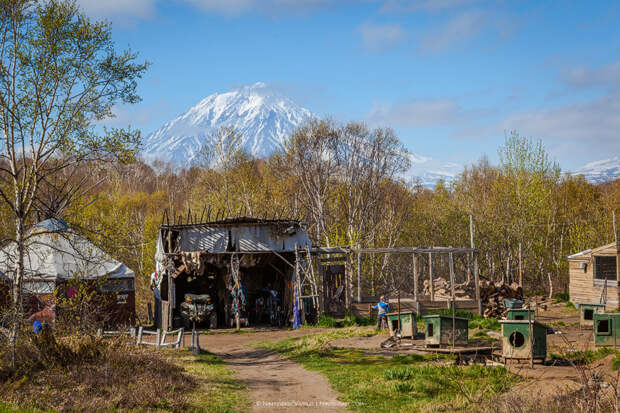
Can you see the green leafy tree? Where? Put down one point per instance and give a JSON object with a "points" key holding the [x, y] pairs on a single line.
{"points": [[60, 75]]}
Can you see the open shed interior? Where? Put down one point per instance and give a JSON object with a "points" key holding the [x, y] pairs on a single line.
{"points": [[265, 284]]}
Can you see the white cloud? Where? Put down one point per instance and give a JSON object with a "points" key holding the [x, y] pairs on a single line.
{"points": [[380, 37], [430, 112], [237, 7], [393, 6], [607, 75], [118, 9], [584, 127], [463, 27]]}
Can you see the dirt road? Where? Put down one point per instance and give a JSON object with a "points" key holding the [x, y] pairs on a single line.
{"points": [[275, 383]]}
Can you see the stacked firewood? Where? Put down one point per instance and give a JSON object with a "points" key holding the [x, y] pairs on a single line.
{"points": [[463, 291], [491, 294]]}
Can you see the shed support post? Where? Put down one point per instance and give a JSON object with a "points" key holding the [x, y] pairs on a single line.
{"points": [[474, 257], [359, 276], [430, 275], [414, 263], [453, 298]]}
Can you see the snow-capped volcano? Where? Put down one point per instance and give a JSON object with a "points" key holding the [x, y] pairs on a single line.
{"points": [[598, 172], [264, 118]]}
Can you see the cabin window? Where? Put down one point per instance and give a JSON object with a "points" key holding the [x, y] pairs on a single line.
{"points": [[588, 314], [517, 339], [519, 317], [429, 330], [110, 286], [605, 268], [602, 327]]}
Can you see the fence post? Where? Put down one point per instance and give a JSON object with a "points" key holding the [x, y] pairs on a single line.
{"points": [[179, 338], [158, 338], [139, 340], [132, 332]]}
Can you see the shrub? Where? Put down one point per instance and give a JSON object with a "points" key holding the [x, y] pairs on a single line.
{"points": [[403, 387], [485, 324], [560, 297], [398, 373], [326, 321], [86, 373]]}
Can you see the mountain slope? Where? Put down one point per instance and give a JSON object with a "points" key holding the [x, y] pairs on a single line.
{"points": [[598, 172], [264, 117]]}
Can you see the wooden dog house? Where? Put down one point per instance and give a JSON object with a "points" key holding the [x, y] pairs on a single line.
{"points": [[606, 329], [408, 327], [522, 341], [520, 314], [587, 311], [439, 330]]}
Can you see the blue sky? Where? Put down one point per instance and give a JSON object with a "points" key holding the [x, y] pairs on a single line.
{"points": [[450, 76]]}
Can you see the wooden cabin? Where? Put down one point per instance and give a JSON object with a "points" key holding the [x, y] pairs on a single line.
{"points": [[594, 275]]}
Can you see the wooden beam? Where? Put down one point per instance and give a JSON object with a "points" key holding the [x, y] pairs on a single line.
{"points": [[414, 263], [430, 275], [359, 277], [474, 255]]}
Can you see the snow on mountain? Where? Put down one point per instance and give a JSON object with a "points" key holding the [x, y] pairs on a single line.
{"points": [[428, 171], [598, 172], [264, 118]]}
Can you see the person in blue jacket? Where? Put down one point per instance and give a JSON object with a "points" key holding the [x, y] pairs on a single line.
{"points": [[383, 309]]}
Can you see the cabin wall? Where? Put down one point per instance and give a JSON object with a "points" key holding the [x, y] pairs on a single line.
{"points": [[584, 289]]}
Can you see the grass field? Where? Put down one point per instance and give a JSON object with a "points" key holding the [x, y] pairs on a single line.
{"points": [[217, 390], [371, 383]]}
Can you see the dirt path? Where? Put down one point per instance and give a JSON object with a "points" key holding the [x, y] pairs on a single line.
{"points": [[275, 382]]}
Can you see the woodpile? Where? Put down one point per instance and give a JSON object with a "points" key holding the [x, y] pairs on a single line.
{"points": [[491, 294]]}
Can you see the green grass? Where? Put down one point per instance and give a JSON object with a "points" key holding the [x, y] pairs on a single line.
{"points": [[326, 321], [482, 335], [585, 357], [7, 408], [402, 383], [218, 391]]}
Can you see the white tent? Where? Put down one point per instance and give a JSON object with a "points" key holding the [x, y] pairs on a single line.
{"points": [[55, 253]]}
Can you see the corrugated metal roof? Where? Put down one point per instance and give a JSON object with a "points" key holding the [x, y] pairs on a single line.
{"points": [[244, 236]]}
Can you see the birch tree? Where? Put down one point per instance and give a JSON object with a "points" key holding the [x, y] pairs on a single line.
{"points": [[60, 75]]}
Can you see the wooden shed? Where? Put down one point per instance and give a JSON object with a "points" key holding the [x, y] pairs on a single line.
{"points": [[594, 275]]}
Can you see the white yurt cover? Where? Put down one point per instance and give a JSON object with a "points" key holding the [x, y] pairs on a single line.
{"points": [[54, 253]]}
